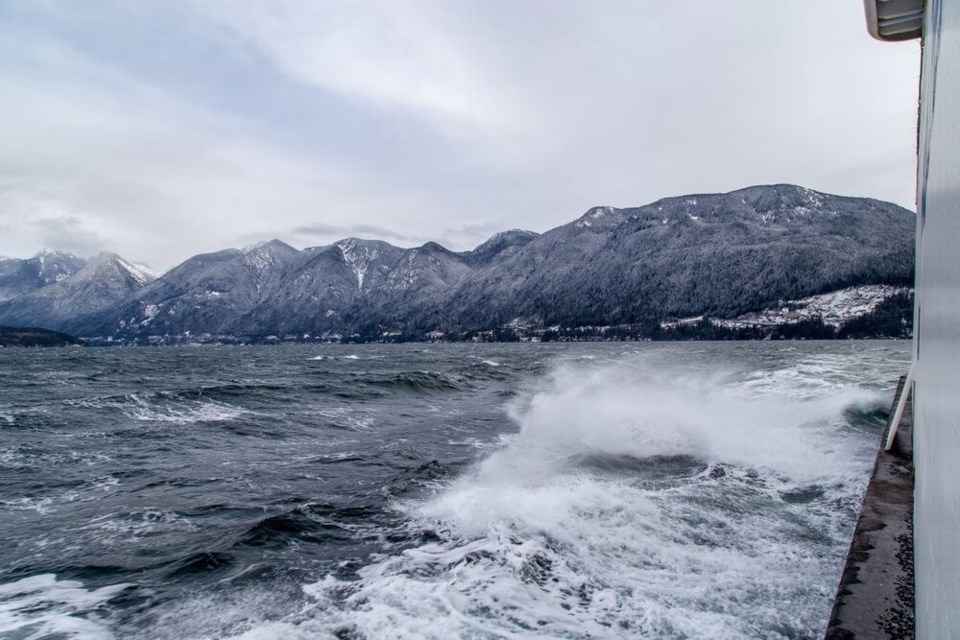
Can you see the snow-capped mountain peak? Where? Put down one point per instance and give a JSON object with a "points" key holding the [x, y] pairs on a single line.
{"points": [[139, 275], [725, 255]]}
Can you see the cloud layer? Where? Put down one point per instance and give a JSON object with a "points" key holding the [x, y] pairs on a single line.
{"points": [[159, 130]]}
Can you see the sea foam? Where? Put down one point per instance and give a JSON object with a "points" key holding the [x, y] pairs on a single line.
{"points": [[531, 543], [43, 607]]}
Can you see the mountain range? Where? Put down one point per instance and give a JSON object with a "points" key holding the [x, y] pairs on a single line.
{"points": [[717, 255]]}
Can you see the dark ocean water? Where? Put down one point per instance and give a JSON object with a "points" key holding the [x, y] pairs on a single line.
{"points": [[691, 490]]}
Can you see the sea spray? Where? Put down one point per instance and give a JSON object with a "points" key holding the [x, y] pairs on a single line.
{"points": [[698, 490], [533, 544], [43, 607]]}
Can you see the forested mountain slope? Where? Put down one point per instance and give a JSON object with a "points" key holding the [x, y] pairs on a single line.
{"points": [[721, 255]]}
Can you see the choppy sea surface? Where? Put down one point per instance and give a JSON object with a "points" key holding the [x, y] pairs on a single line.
{"points": [[687, 490]]}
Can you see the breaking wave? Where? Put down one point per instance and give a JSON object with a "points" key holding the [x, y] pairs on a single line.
{"points": [[44, 607], [184, 411], [630, 503], [668, 491]]}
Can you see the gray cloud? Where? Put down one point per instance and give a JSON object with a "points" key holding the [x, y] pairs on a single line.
{"points": [[319, 229], [480, 230], [171, 128], [67, 233]]}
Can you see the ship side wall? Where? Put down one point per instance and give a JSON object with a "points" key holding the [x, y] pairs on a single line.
{"points": [[937, 392]]}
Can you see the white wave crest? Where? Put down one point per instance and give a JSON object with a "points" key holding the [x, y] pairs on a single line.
{"points": [[184, 412], [44, 607], [535, 543]]}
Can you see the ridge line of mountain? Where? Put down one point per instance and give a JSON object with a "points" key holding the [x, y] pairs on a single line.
{"points": [[721, 255]]}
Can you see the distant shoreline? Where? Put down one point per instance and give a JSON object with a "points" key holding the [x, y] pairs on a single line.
{"points": [[35, 337], [686, 336]]}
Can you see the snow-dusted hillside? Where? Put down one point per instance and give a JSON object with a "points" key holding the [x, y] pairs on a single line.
{"points": [[19, 277], [104, 282], [834, 308], [717, 255]]}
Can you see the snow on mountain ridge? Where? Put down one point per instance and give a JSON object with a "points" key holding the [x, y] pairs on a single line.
{"points": [[147, 269], [51, 265], [594, 215], [503, 235], [140, 276], [358, 255], [667, 259], [260, 260]]}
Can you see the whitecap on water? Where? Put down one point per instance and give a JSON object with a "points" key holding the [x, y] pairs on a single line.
{"points": [[532, 542], [92, 490], [184, 411], [41, 505], [635, 500], [114, 529], [348, 418], [44, 607]]}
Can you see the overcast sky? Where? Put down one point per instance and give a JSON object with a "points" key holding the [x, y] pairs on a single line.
{"points": [[161, 129]]}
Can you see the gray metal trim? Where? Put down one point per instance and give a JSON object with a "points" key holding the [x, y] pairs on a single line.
{"points": [[894, 20]]}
